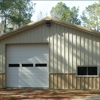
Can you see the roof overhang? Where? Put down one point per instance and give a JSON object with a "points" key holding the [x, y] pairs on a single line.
{"points": [[48, 19]]}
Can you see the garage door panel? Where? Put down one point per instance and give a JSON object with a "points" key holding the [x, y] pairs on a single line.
{"points": [[12, 74], [41, 80], [15, 82], [39, 60], [27, 81], [28, 69], [11, 69], [41, 68], [41, 84], [40, 73], [42, 77], [27, 76], [14, 79], [22, 59], [14, 71], [27, 73], [13, 85]]}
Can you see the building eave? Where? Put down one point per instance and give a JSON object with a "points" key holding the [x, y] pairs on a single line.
{"points": [[34, 24]]}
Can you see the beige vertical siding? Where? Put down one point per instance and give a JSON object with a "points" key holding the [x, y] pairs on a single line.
{"points": [[1, 77], [66, 51], [2, 65], [3, 80], [58, 49], [67, 48], [70, 81], [1, 58]]}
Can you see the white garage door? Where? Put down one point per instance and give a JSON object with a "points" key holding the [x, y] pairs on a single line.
{"points": [[27, 65]]}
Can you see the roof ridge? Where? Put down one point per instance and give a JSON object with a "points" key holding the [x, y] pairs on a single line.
{"points": [[38, 22]]}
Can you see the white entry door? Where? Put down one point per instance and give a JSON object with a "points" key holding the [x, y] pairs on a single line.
{"points": [[27, 65]]}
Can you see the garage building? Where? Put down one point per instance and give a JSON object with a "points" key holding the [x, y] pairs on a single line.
{"points": [[50, 54]]}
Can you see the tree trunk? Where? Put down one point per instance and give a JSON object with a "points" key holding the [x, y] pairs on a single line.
{"points": [[5, 25]]}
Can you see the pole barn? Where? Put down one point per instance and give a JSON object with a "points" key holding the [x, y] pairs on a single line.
{"points": [[50, 54]]}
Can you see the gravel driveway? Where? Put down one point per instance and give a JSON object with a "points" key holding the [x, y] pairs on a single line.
{"points": [[48, 94], [97, 97]]}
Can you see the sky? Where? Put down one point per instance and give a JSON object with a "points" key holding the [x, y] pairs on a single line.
{"points": [[46, 6]]}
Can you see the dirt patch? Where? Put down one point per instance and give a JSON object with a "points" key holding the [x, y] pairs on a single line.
{"points": [[30, 93]]}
